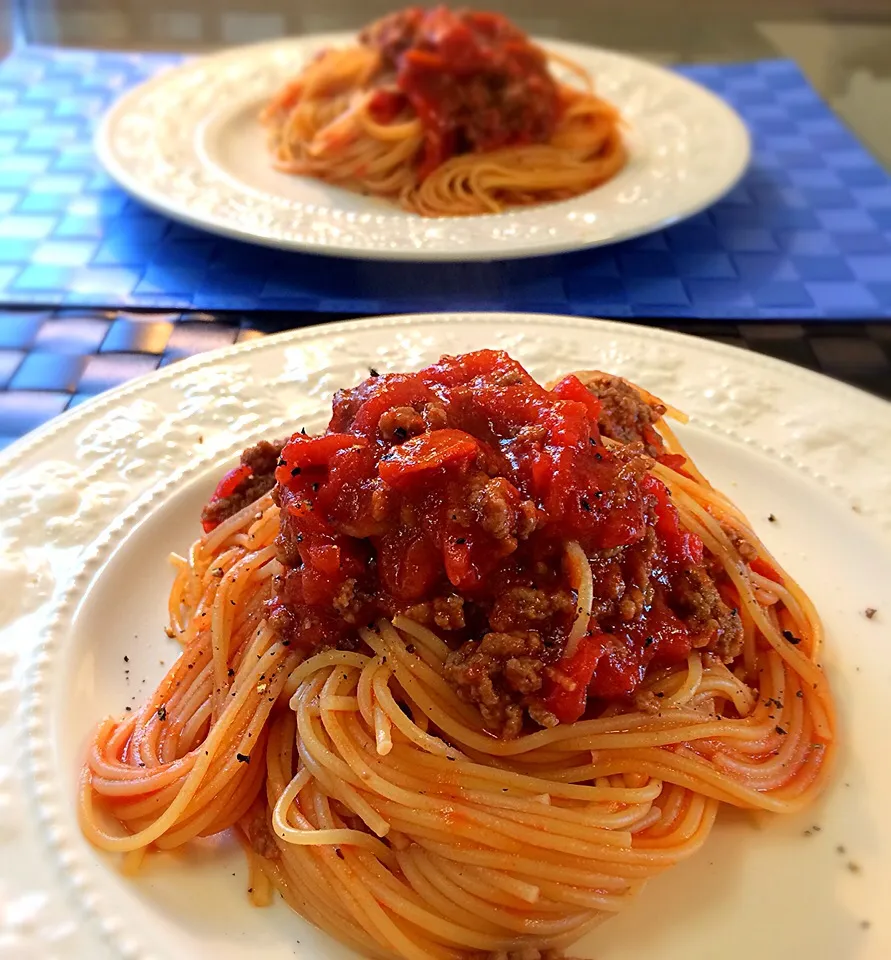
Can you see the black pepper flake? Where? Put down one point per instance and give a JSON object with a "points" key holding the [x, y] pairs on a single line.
{"points": [[315, 488], [300, 538], [460, 540], [598, 494], [799, 694], [780, 730], [771, 518], [280, 462], [126, 659], [598, 456], [816, 828], [372, 372], [840, 849], [128, 709], [790, 636], [660, 694], [870, 612], [250, 889], [162, 712], [400, 433], [586, 505], [339, 853], [303, 431], [451, 758], [231, 672], [648, 642], [242, 758], [296, 472], [853, 867], [286, 643]]}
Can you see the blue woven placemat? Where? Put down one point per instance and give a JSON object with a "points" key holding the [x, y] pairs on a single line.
{"points": [[807, 234]]}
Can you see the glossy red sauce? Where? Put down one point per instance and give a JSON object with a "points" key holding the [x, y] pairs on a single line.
{"points": [[393, 514], [474, 79]]}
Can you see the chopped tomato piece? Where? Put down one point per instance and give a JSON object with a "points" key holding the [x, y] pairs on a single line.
{"points": [[681, 545], [566, 704], [226, 487], [430, 451], [386, 105], [674, 461], [571, 388], [303, 453]]}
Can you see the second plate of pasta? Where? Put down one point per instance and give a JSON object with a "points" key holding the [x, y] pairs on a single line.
{"points": [[355, 144]]}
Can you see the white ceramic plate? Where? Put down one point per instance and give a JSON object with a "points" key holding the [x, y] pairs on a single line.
{"points": [[188, 144], [91, 505]]}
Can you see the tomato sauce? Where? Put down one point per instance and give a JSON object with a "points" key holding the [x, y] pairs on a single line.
{"points": [[467, 479], [475, 80]]}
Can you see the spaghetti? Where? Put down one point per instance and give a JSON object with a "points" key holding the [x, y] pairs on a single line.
{"points": [[427, 755], [450, 114]]}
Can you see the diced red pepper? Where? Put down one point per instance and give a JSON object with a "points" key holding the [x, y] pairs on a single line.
{"points": [[765, 569], [226, 487], [429, 451], [569, 705]]}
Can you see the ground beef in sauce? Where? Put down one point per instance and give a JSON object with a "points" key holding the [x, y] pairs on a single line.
{"points": [[624, 415], [400, 423], [447, 613], [258, 831], [712, 624], [525, 608], [393, 34], [262, 459], [521, 613], [497, 673], [475, 79]]}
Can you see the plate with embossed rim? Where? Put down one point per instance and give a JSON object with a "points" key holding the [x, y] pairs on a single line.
{"points": [[91, 504], [188, 143]]}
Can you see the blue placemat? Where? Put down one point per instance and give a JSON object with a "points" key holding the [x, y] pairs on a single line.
{"points": [[807, 234]]}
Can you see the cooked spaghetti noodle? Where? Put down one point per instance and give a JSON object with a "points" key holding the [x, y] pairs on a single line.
{"points": [[450, 114], [378, 789]]}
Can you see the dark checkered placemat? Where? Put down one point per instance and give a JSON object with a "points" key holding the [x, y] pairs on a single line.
{"points": [[807, 234], [53, 360]]}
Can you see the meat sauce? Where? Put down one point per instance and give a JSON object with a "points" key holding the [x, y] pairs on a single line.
{"points": [[449, 495], [474, 79]]}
